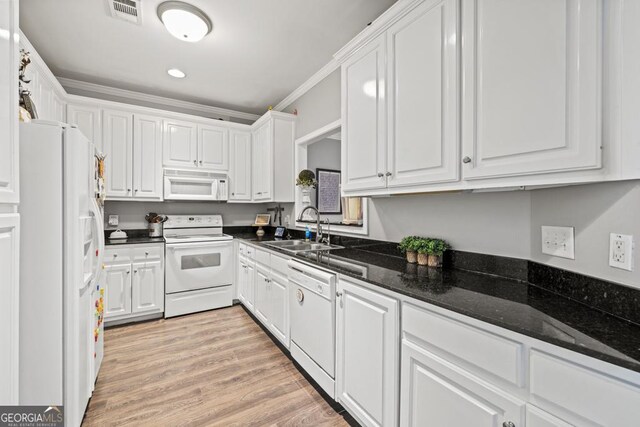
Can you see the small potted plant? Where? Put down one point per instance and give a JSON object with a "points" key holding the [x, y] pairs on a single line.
{"points": [[409, 245], [423, 248], [306, 180], [435, 249]]}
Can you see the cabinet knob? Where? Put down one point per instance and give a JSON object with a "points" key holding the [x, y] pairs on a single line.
{"points": [[115, 255], [146, 253], [466, 159], [233, 194], [128, 190], [200, 161], [195, 162], [136, 190], [508, 424], [388, 173], [135, 271], [338, 294], [128, 271], [380, 174]]}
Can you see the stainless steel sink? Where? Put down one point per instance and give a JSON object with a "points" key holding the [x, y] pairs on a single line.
{"points": [[295, 246]]}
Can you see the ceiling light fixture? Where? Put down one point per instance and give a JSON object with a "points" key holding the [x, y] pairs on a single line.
{"points": [[184, 21], [174, 72]]}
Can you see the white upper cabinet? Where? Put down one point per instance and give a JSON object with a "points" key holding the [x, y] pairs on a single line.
{"points": [[147, 157], [422, 92], [240, 165], [9, 102], [263, 162], [89, 121], [213, 148], [180, 144], [117, 137], [532, 79], [363, 119]]}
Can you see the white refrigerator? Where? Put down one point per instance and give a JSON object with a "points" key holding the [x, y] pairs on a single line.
{"points": [[61, 254]]}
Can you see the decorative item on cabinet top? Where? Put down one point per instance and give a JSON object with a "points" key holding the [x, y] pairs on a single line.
{"points": [[27, 110]]}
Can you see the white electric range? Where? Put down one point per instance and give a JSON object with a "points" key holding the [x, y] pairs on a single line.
{"points": [[199, 264]]}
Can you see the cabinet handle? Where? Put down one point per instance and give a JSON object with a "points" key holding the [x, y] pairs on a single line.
{"points": [[508, 424], [146, 253], [380, 174], [467, 159], [338, 294], [135, 271], [195, 162], [233, 194], [128, 190], [200, 161], [128, 271], [136, 190], [388, 173], [115, 255]]}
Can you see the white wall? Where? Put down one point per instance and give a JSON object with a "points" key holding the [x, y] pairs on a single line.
{"points": [[132, 213], [595, 210]]}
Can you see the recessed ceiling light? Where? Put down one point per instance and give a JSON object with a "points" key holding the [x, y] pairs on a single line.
{"points": [[174, 72], [184, 21]]}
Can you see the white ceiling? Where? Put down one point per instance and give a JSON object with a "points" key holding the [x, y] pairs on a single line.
{"points": [[258, 53]]}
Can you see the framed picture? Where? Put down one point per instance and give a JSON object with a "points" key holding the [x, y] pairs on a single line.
{"points": [[328, 191], [263, 219]]}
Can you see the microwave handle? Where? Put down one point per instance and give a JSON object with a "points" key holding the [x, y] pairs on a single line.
{"points": [[189, 179]]}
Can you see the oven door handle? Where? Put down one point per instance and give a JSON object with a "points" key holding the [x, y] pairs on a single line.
{"points": [[174, 246]]}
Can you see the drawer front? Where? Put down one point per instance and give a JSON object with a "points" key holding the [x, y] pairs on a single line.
{"points": [[582, 393], [242, 249], [117, 255], [279, 264], [263, 257], [251, 252], [148, 253], [485, 352]]}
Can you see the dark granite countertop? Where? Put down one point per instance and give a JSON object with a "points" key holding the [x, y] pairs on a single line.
{"points": [[510, 302], [134, 237]]}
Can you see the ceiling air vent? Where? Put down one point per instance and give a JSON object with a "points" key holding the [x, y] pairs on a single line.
{"points": [[127, 10]]}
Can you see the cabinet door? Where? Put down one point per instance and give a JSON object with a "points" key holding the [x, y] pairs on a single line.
{"points": [[147, 157], [363, 118], [117, 298], [261, 301], [240, 165], [538, 418], [9, 102], [180, 142], [367, 347], [147, 288], [532, 73], [213, 148], [437, 393], [9, 302], [88, 120], [241, 281], [117, 141], [262, 163], [423, 92], [279, 307], [250, 273]]}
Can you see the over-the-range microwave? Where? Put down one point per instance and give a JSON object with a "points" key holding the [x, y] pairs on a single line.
{"points": [[180, 184]]}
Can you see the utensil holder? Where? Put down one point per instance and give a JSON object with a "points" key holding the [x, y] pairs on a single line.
{"points": [[155, 229]]}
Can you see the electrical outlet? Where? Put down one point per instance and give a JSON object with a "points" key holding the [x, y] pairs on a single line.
{"points": [[558, 241], [621, 251], [113, 220]]}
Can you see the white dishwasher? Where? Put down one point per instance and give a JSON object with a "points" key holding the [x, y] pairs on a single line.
{"points": [[313, 316]]}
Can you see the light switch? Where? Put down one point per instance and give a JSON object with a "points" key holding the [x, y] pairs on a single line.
{"points": [[558, 241]]}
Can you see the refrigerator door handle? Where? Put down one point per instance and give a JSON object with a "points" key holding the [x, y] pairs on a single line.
{"points": [[100, 239]]}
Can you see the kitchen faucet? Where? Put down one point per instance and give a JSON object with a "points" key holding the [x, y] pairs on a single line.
{"points": [[319, 227]]}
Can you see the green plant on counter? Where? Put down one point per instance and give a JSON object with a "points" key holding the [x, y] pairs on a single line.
{"points": [[306, 178], [410, 244], [436, 247]]}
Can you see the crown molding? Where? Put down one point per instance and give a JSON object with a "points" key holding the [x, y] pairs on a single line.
{"points": [[153, 99], [38, 62], [320, 75]]}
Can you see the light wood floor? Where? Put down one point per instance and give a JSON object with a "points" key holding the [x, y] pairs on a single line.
{"points": [[206, 369]]}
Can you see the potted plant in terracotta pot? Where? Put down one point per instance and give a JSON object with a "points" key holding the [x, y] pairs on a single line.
{"points": [[435, 249], [409, 245]]}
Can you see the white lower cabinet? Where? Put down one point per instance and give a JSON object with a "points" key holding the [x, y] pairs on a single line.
{"points": [[263, 288], [134, 281], [367, 349], [436, 392]]}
